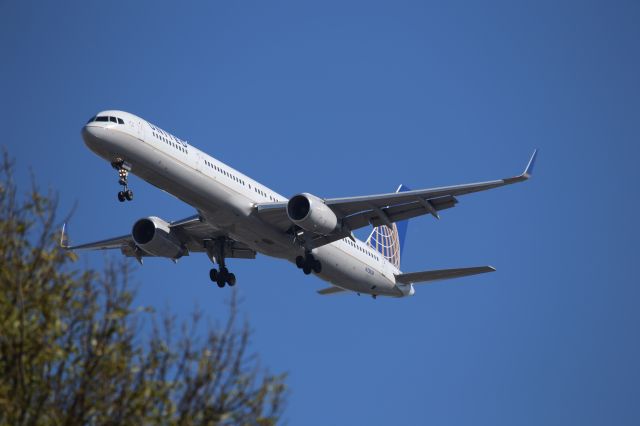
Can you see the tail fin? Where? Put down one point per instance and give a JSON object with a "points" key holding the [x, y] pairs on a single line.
{"points": [[389, 241]]}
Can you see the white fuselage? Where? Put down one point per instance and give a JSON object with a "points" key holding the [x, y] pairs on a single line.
{"points": [[225, 198]]}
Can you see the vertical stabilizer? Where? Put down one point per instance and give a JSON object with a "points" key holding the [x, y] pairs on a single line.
{"points": [[389, 241]]}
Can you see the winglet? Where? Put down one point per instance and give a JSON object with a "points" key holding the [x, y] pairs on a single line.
{"points": [[528, 171], [64, 238]]}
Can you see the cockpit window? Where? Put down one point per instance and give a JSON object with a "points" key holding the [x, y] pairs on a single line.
{"points": [[106, 118]]}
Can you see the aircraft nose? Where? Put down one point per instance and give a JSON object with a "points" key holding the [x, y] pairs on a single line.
{"points": [[89, 134], [93, 135]]}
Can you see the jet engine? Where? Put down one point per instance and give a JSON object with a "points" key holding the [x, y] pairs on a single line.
{"points": [[312, 214], [154, 236]]}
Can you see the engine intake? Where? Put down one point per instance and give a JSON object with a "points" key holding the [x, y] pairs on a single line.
{"points": [[154, 236], [312, 214]]}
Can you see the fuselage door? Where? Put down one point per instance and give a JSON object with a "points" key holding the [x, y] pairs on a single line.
{"points": [[140, 129], [199, 160]]}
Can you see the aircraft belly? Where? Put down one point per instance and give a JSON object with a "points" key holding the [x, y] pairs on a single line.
{"points": [[229, 211]]}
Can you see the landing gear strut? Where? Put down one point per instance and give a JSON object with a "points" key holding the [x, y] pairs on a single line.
{"points": [[223, 276], [308, 263], [123, 174]]}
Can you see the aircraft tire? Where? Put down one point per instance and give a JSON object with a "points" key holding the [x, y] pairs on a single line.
{"points": [[306, 269], [231, 279], [300, 262], [121, 196], [213, 274]]}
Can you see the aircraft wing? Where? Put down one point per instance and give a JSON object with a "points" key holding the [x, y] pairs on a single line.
{"points": [[110, 243], [191, 231], [384, 209]]}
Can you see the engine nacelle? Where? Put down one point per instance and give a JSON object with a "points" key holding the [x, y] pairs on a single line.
{"points": [[154, 236], [312, 214]]}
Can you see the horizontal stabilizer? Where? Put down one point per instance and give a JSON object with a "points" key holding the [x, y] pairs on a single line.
{"points": [[441, 274], [330, 290]]}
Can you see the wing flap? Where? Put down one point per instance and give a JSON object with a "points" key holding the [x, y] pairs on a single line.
{"points": [[400, 212], [441, 274]]}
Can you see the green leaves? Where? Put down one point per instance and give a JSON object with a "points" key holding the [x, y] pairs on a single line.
{"points": [[74, 350]]}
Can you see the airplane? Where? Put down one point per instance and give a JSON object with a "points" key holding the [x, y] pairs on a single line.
{"points": [[237, 217]]}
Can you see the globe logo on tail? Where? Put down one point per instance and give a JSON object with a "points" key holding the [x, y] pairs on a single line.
{"points": [[386, 241]]}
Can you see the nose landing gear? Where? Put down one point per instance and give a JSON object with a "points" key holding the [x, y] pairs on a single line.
{"points": [[123, 174], [125, 195], [308, 263]]}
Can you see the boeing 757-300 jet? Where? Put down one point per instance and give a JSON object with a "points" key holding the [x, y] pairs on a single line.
{"points": [[237, 217]]}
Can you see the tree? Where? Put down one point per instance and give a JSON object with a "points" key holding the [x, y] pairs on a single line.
{"points": [[73, 349]]}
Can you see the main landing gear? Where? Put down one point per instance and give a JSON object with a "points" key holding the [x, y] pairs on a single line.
{"points": [[222, 277], [216, 253], [123, 174], [308, 263]]}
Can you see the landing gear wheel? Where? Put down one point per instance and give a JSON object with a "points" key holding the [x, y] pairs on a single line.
{"points": [[308, 263], [128, 194], [231, 279], [213, 274], [121, 196], [220, 281]]}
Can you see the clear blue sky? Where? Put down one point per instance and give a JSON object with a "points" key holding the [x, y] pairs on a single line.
{"points": [[351, 98]]}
